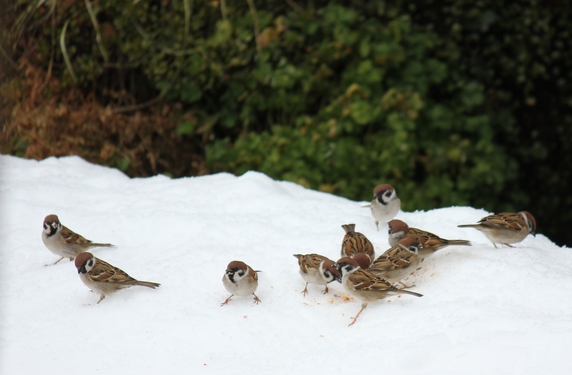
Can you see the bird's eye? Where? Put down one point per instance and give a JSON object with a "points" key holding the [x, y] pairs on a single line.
{"points": [[90, 263], [388, 194]]}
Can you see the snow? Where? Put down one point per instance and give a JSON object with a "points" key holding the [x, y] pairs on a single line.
{"points": [[484, 310]]}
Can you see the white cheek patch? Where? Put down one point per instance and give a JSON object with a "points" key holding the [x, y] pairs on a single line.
{"points": [[89, 265]]}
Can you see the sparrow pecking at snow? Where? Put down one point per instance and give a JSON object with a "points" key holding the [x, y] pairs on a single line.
{"points": [[431, 242], [365, 285], [316, 269], [103, 278], [355, 242], [506, 228], [399, 261], [240, 280], [385, 204], [63, 242]]}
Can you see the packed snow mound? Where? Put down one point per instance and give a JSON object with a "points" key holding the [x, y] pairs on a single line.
{"points": [[484, 310]]}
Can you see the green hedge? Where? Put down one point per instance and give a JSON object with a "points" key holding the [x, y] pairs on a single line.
{"points": [[454, 103]]}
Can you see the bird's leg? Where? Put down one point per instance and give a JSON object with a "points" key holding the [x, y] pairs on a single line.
{"points": [[305, 291], [256, 299], [325, 290], [508, 245], [377, 225], [56, 262], [226, 301], [101, 298], [363, 306]]}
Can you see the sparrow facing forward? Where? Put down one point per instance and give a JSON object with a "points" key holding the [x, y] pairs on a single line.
{"points": [[385, 204], [240, 280], [506, 228], [63, 242], [431, 242], [399, 261], [365, 285], [355, 242], [103, 278], [316, 269]]}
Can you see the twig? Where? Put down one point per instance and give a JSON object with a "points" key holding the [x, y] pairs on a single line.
{"points": [[10, 61], [52, 53], [255, 22], [97, 31], [65, 52], [223, 10], [295, 6], [188, 12]]}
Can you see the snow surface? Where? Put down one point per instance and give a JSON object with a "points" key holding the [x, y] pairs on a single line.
{"points": [[484, 310]]}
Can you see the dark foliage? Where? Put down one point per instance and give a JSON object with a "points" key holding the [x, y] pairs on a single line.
{"points": [[454, 103]]}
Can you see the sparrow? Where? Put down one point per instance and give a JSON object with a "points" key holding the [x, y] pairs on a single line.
{"points": [[362, 259], [385, 204], [355, 242], [316, 269], [62, 241], [103, 278], [364, 285], [399, 261], [506, 228], [240, 280], [431, 242]]}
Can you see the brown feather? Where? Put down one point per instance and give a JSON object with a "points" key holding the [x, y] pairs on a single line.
{"points": [[355, 242]]}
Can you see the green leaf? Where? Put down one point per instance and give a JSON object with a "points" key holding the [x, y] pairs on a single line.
{"points": [[186, 128]]}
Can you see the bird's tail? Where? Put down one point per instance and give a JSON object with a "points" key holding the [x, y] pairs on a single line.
{"points": [[460, 242], [349, 228], [93, 244], [467, 225], [403, 291], [148, 284]]}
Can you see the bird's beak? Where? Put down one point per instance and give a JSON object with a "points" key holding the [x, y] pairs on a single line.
{"points": [[339, 277]]}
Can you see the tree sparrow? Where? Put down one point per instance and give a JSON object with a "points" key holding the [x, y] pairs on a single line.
{"points": [[240, 280], [506, 228], [362, 259], [365, 285], [316, 269], [399, 261], [355, 242], [103, 278], [431, 242], [385, 204], [61, 241]]}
